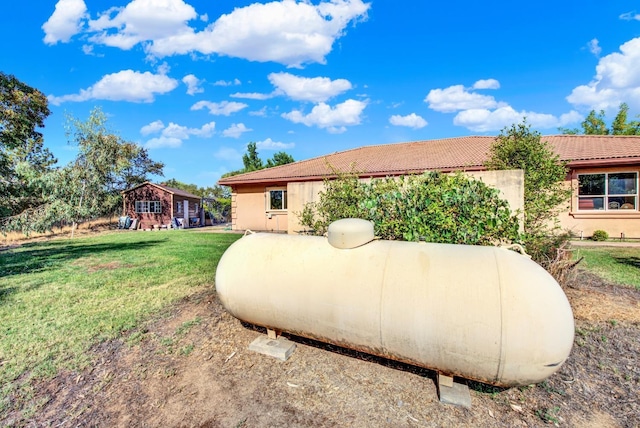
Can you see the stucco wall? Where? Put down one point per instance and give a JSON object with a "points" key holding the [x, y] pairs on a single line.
{"points": [[584, 223], [248, 210]]}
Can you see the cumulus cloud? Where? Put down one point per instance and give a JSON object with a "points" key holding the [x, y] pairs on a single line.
{"points": [[172, 135], [594, 47], [334, 119], [65, 22], [316, 89], [193, 84], [292, 33], [484, 120], [412, 121], [269, 144], [486, 84], [235, 130], [126, 85], [617, 80], [142, 21], [224, 108], [458, 97]]}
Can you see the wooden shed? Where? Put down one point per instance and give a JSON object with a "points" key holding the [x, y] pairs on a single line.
{"points": [[156, 206]]}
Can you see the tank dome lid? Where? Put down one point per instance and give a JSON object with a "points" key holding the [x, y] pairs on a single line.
{"points": [[350, 233]]}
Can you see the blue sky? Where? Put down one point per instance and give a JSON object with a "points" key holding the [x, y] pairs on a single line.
{"points": [[195, 80]]}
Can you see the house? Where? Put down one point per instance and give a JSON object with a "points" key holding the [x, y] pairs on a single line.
{"points": [[603, 176], [156, 206]]}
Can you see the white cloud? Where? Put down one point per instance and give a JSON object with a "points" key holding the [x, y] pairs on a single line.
{"points": [[617, 80], [630, 16], [269, 144], [486, 84], [234, 82], [334, 119], [152, 128], [594, 47], [262, 112], [173, 135], [316, 89], [65, 22], [457, 97], [142, 21], [235, 130], [288, 32], [484, 120], [193, 84], [251, 95], [412, 121], [126, 85], [224, 108]]}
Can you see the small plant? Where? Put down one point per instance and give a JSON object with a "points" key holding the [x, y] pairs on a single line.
{"points": [[549, 414], [600, 235]]}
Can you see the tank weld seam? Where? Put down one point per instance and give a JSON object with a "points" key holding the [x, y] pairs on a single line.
{"points": [[501, 356], [380, 295]]}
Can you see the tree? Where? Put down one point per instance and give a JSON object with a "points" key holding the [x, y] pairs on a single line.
{"points": [[594, 124], [252, 161], [518, 147], [216, 199], [90, 186], [23, 110], [280, 158]]}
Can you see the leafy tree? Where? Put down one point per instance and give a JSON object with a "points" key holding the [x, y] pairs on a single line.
{"points": [[90, 186], [279, 158], [446, 208], [252, 161], [518, 147], [594, 124], [23, 110]]}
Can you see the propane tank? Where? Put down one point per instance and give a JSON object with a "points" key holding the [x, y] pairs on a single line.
{"points": [[483, 313]]}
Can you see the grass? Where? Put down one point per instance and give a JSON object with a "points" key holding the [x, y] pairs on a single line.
{"points": [[620, 265], [61, 297]]}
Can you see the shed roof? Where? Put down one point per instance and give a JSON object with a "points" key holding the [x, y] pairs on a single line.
{"points": [[172, 190], [462, 153]]}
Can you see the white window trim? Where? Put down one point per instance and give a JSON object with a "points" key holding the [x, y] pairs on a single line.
{"points": [[606, 195], [267, 197], [148, 207]]}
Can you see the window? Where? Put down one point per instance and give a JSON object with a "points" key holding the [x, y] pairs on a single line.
{"points": [[276, 199], [605, 192], [148, 207], [179, 206]]}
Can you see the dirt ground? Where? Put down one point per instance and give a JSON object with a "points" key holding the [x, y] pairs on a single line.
{"points": [[190, 367]]}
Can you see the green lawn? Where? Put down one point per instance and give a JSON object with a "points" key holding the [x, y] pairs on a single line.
{"points": [[620, 265], [59, 298]]}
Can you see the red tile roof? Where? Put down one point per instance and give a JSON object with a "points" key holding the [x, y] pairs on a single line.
{"points": [[463, 153]]}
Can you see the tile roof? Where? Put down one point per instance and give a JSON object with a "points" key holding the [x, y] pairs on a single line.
{"points": [[463, 153]]}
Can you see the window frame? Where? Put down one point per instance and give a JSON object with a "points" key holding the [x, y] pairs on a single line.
{"points": [[268, 199], [148, 207], [606, 196]]}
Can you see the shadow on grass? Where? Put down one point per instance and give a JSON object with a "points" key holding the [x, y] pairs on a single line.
{"points": [[632, 261], [51, 255]]}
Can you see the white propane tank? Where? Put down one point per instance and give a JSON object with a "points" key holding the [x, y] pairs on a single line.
{"points": [[483, 313]]}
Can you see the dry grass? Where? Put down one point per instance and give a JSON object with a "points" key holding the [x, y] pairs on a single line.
{"points": [[89, 227]]}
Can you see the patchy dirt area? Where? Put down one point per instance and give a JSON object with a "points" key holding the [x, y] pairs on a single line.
{"points": [[190, 367]]}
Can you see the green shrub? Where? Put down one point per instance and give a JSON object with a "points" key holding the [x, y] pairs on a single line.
{"points": [[600, 235], [436, 207]]}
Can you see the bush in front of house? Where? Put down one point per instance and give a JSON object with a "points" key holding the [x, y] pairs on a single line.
{"points": [[435, 207], [600, 235]]}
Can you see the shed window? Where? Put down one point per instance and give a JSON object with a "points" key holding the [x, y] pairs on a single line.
{"points": [[608, 192], [179, 206], [148, 207], [276, 199]]}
